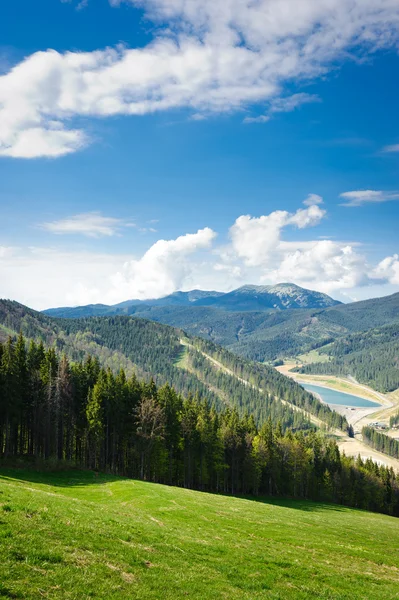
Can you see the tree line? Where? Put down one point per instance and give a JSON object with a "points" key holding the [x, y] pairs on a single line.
{"points": [[381, 442], [152, 350], [81, 414], [267, 379], [372, 357]]}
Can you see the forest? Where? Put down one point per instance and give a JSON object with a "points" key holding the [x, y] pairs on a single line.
{"points": [[381, 442], [77, 413], [263, 377], [152, 350], [372, 357]]}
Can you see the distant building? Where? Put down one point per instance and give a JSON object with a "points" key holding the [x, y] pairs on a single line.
{"points": [[378, 425]]}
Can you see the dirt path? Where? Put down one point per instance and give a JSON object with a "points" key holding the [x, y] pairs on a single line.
{"points": [[354, 447]]}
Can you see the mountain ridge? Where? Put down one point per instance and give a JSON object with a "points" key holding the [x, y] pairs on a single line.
{"points": [[153, 351], [281, 296]]}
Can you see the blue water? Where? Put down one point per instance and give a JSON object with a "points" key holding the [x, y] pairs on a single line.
{"points": [[334, 397]]}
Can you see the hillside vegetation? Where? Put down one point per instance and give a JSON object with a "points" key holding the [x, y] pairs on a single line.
{"points": [[52, 410], [268, 335], [152, 350], [115, 538], [371, 357]]}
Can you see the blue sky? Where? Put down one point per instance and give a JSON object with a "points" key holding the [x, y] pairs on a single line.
{"points": [[137, 137]]}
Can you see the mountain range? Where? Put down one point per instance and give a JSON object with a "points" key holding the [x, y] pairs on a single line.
{"points": [[333, 332], [246, 298], [193, 366]]}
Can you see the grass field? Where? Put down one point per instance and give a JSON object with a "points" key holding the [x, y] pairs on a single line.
{"points": [[76, 535], [312, 356]]}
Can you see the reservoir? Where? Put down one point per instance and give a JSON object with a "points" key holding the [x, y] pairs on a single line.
{"points": [[330, 396]]}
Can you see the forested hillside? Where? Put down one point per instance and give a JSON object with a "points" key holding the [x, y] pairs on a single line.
{"points": [[371, 357], [265, 335], [379, 441], [258, 378], [83, 415], [152, 351]]}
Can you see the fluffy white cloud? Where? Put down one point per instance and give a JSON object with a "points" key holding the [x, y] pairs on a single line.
{"points": [[388, 269], [257, 253], [45, 277], [325, 264], [360, 197], [41, 141], [163, 268], [254, 239], [91, 224], [209, 55]]}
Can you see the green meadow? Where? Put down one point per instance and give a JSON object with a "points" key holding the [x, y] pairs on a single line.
{"points": [[78, 535]]}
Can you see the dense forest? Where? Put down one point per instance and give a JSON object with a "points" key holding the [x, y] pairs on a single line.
{"points": [[263, 336], [262, 377], [371, 357], [380, 441], [82, 414], [152, 350]]}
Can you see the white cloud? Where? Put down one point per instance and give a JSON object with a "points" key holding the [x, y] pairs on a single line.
{"points": [[254, 239], [313, 199], [258, 246], [46, 277], [6, 251], [289, 103], [162, 269], [360, 197], [325, 264], [307, 217], [321, 264], [284, 104], [209, 56], [391, 148], [259, 119], [39, 141], [388, 269], [257, 253], [91, 224]]}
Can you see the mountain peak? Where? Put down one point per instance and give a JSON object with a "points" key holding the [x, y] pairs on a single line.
{"points": [[262, 297], [248, 297]]}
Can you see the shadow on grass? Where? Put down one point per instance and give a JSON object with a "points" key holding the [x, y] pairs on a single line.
{"points": [[83, 478], [70, 477]]}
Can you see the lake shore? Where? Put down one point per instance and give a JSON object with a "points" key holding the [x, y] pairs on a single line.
{"points": [[358, 417]]}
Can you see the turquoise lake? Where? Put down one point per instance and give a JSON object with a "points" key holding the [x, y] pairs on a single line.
{"points": [[334, 397]]}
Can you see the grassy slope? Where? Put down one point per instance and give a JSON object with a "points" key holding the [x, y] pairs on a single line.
{"points": [[75, 535]]}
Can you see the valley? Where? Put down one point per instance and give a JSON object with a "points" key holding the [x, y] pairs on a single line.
{"points": [[357, 417], [359, 339], [199, 300]]}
